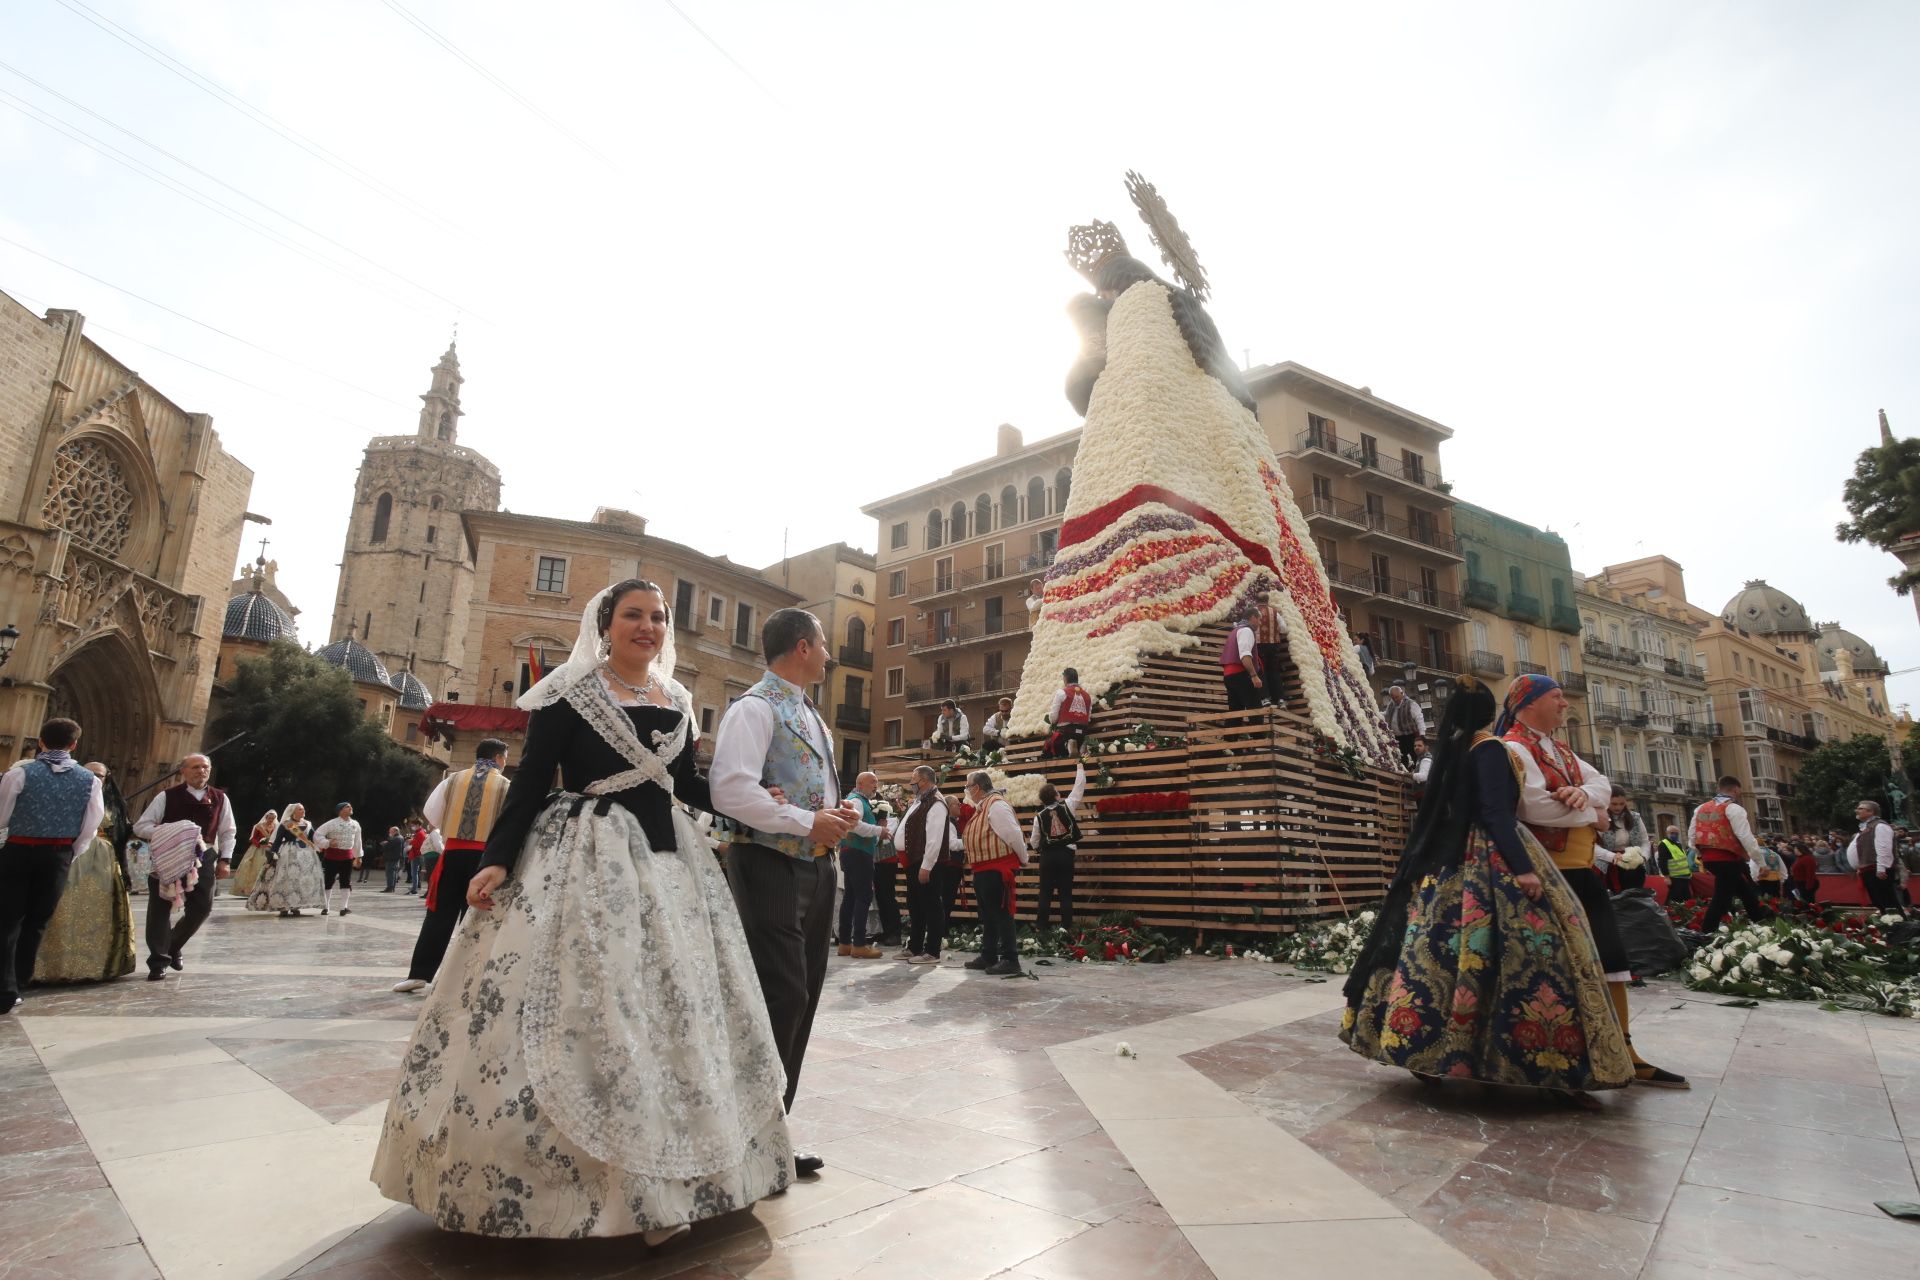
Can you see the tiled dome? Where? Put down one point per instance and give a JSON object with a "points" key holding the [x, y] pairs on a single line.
{"points": [[251, 616], [1766, 611], [360, 662], [413, 694], [1833, 636]]}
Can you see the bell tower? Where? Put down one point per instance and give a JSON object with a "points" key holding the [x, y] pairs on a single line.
{"points": [[406, 579]]}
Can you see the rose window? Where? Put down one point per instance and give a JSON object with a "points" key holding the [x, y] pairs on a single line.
{"points": [[89, 497]]}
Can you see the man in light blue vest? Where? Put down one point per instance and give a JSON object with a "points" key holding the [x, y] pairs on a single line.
{"points": [[51, 808], [782, 877]]}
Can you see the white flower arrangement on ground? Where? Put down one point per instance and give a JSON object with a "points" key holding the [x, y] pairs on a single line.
{"points": [[1792, 961]]}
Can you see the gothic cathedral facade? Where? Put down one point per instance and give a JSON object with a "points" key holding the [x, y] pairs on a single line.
{"points": [[406, 575]]}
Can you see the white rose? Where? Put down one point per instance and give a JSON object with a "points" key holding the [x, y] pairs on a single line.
{"points": [[1700, 973], [1752, 963]]}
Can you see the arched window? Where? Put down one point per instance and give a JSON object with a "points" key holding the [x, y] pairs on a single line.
{"points": [[1036, 498], [857, 634], [957, 522], [1062, 485], [434, 505], [1009, 506], [983, 514], [382, 517], [934, 524], [446, 425]]}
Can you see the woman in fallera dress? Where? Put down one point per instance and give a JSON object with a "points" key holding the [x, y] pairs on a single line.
{"points": [[247, 874], [291, 880], [595, 1059], [90, 938], [1480, 965]]}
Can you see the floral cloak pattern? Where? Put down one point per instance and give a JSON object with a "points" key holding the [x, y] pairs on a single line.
{"points": [[1494, 987]]}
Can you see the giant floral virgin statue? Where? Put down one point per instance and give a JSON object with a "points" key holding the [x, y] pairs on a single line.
{"points": [[1178, 516]]}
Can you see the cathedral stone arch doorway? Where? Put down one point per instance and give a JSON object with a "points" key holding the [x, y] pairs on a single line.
{"points": [[106, 686]]}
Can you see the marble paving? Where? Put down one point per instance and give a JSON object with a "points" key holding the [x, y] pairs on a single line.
{"points": [[221, 1124]]}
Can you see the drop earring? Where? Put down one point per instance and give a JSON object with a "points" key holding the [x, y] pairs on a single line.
{"points": [[604, 648]]}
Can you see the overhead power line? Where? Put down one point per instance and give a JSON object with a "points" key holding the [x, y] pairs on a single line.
{"points": [[231, 337], [165, 181], [193, 168], [721, 50], [499, 84], [263, 119]]}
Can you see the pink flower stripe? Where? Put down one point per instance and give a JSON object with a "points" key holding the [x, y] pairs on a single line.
{"points": [[1136, 557], [1158, 610], [1159, 522], [1143, 586]]}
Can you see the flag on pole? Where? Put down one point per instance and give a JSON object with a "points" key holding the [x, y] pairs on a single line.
{"points": [[533, 666]]}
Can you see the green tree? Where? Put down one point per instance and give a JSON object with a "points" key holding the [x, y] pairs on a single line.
{"points": [[308, 739], [1883, 501], [1838, 776]]}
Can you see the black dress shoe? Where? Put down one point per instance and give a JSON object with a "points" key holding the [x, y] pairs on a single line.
{"points": [[978, 962], [1004, 969], [154, 975], [173, 962], [805, 1166]]}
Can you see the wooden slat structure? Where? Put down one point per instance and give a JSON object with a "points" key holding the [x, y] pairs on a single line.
{"points": [[1279, 835]]}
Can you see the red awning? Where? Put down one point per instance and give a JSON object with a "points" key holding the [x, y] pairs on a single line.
{"points": [[469, 719]]}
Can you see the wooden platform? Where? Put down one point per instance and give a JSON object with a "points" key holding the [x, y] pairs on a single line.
{"points": [[1277, 836]]}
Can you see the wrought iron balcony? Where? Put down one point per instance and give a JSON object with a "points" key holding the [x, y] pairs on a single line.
{"points": [[970, 633], [858, 719], [1483, 662], [1684, 670], [1418, 595], [1333, 509], [1574, 682], [1565, 619], [1438, 659], [1481, 594], [861, 659], [1619, 655], [1420, 537], [1524, 608], [1327, 447]]}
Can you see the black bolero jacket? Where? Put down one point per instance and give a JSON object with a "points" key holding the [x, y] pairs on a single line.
{"points": [[559, 740]]}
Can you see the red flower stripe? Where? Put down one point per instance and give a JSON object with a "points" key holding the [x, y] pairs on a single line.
{"points": [[1080, 528], [1187, 606], [1138, 556]]}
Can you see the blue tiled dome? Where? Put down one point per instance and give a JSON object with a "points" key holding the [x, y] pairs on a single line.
{"points": [[360, 662], [251, 616], [413, 694]]}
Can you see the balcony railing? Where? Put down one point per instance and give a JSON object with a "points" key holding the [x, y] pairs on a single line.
{"points": [[1524, 608], [1434, 658], [858, 719], [1618, 654], [862, 659], [947, 637], [1528, 669], [1382, 525], [1481, 594], [962, 687], [987, 575], [1684, 670], [1483, 662], [1604, 714], [1573, 682], [1421, 475], [1565, 619], [1320, 508], [1418, 594]]}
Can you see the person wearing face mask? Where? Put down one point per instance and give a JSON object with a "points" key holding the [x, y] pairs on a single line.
{"points": [[594, 1056]]}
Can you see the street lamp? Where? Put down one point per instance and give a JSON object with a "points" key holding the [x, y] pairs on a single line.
{"points": [[9, 637]]}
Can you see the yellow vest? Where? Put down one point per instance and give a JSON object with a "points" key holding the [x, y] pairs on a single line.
{"points": [[983, 845], [471, 813]]}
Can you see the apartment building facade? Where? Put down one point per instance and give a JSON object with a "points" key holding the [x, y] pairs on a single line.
{"points": [[1367, 475], [1521, 619], [952, 572], [1651, 719]]}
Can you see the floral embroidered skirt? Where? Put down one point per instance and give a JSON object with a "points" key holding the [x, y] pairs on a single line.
{"points": [[1494, 987], [595, 1058], [291, 882], [246, 876], [90, 938]]}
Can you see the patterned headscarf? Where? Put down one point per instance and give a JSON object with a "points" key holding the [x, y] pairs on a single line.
{"points": [[1521, 694]]}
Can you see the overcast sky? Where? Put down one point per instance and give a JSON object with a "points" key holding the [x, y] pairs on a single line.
{"points": [[743, 267]]}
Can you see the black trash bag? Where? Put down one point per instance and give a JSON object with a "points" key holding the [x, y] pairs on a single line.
{"points": [[1653, 944]]}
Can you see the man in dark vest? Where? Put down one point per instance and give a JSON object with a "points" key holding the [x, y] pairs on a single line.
{"points": [[51, 809], [197, 801], [464, 807], [935, 861], [1871, 854]]}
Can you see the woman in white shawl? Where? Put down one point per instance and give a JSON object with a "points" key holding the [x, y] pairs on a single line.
{"points": [[291, 880], [595, 1059]]}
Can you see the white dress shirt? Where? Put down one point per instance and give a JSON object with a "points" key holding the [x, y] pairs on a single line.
{"points": [[996, 726], [1742, 830], [1001, 822], [1540, 809], [862, 829], [339, 833], [157, 809], [1882, 849], [1422, 767], [14, 779], [1244, 643], [932, 853], [435, 809], [740, 747], [1074, 797]]}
